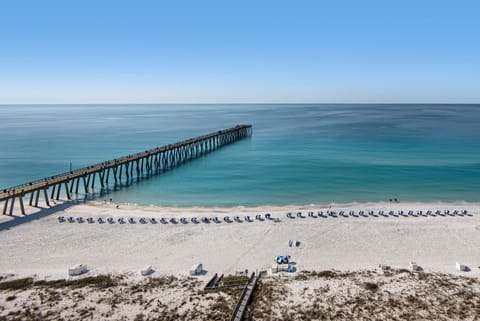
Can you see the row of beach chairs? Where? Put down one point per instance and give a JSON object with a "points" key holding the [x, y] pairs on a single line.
{"points": [[164, 220], [263, 217], [383, 213]]}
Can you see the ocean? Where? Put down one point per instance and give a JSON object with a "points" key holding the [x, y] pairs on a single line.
{"points": [[298, 154]]}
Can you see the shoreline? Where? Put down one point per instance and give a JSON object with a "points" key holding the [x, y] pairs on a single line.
{"points": [[347, 205]]}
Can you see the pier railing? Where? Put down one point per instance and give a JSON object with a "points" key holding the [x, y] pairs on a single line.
{"points": [[149, 162]]}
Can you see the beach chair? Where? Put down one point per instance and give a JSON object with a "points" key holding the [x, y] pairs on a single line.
{"points": [[351, 213], [71, 219], [205, 219], [215, 219], [121, 220], [142, 220], [183, 220], [61, 219], [226, 218], [237, 218], [90, 220], [259, 217], [80, 219], [391, 213], [310, 214], [163, 220], [100, 220], [173, 220], [289, 215], [299, 214], [247, 218], [153, 220], [320, 214], [465, 212], [268, 216], [290, 243], [110, 220], [131, 220], [438, 212], [429, 213]]}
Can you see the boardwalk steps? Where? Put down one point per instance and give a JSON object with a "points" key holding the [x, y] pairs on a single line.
{"points": [[244, 299]]}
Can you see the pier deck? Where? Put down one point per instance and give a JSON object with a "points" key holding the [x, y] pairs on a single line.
{"points": [[148, 162]]}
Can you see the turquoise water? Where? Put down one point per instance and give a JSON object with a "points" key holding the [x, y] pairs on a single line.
{"points": [[298, 154]]}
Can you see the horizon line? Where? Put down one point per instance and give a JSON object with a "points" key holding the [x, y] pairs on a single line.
{"points": [[249, 103]]}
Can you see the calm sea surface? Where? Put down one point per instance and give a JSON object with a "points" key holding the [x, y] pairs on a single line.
{"points": [[298, 154]]}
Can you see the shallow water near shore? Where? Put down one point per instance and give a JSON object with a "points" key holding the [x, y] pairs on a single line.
{"points": [[298, 154]]}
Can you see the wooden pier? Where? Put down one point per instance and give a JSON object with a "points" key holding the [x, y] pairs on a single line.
{"points": [[149, 162]]}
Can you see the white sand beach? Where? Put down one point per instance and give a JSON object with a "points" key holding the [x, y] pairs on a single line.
{"points": [[46, 248], [345, 252]]}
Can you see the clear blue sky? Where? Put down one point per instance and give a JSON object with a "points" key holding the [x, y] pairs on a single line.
{"points": [[239, 51]]}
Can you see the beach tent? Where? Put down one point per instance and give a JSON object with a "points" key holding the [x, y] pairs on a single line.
{"points": [[413, 266], [147, 270], [196, 269], [461, 267], [77, 270]]}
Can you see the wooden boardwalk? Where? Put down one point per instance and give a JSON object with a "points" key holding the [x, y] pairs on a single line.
{"points": [[149, 162], [245, 297]]}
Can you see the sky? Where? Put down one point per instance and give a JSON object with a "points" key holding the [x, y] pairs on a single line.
{"points": [[246, 51]]}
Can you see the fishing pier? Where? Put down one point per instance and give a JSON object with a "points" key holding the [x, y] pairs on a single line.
{"points": [[147, 163]]}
